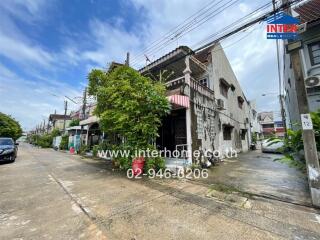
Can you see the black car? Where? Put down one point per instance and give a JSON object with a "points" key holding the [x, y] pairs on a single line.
{"points": [[8, 150]]}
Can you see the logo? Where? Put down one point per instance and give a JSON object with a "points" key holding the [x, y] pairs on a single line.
{"points": [[282, 26]]}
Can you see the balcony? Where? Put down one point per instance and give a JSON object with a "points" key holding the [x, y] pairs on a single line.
{"points": [[174, 86]]}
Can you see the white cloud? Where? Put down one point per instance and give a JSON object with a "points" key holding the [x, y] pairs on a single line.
{"points": [[106, 42], [30, 101], [112, 43], [19, 51], [252, 59]]}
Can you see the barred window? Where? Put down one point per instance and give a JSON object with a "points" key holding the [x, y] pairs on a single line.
{"points": [[314, 52]]}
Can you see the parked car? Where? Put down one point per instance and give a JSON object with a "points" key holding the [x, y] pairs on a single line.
{"points": [[272, 146], [8, 149]]}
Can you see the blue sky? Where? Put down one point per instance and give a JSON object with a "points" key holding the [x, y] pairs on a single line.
{"points": [[47, 47]]}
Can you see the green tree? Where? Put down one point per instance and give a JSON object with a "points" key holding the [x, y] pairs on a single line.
{"points": [[74, 122], [128, 105], [9, 127]]}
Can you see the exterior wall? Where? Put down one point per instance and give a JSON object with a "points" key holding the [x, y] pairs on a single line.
{"points": [[59, 124], [203, 122], [232, 114], [311, 35], [254, 121]]}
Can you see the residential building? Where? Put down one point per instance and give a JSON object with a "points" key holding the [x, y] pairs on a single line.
{"points": [[309, 15], [270, 126], [209, 109], [256, 129], [57, 121], [267, 123]]}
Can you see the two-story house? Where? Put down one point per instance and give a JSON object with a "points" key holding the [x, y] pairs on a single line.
{"points": [[209, 109]]}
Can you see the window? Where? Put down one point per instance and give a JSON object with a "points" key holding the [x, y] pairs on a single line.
{"points": [[204, 82], [240, 102], [254, 114], [227, 131], [314, 52], [224, 87], [289, 82], [243, 134], [271, 125]]}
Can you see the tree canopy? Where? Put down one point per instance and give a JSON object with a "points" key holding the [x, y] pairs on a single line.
{"points": [[128, 104], [9, 127]]}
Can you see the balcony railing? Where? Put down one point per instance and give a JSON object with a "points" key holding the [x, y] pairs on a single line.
{"points": [[194, 84], [204, 90]]}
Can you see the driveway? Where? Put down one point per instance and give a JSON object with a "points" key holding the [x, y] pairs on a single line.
{"points": [[259, 173], [52, 195]]}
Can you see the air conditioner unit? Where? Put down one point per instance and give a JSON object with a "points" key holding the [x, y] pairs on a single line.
{"points": [[220, 103], [313, 81]]}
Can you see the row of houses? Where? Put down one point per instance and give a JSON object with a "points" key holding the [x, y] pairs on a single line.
{"points": [[209, 110]]}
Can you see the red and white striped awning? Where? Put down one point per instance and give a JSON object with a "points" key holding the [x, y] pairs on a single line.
{"points": [[179, 100]]}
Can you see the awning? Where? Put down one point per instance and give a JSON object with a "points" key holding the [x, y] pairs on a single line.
{"points": [[179, 100], [92, 119]]}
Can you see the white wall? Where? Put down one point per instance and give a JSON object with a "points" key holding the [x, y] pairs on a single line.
{"points": [[232, 114]]}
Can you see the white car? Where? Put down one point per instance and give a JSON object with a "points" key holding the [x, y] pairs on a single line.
{"points": [[272, 146]]}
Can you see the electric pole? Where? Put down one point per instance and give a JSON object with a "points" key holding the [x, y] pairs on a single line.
{"points": [[65, 114], [309, 142], [283, 117], [127, 62], [308, 137], [84, 103]]}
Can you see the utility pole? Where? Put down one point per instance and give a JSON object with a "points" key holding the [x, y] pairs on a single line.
{"points": [[308, 137], [84, 103], [127, 62], [283, 117], [309, 142], [65, 114]]}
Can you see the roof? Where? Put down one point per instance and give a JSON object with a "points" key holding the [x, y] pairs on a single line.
{"points": [[309, 11], [53, 117], [203, 55], [264, 115], [181, 49], [282, 18]]}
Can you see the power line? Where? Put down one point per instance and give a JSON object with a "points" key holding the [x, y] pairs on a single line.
{"points": [[174, 30], [242, 27], [234, 24], [191, 26]]}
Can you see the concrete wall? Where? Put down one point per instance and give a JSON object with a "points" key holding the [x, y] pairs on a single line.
{"points": [[232, 114], [59, 124]]}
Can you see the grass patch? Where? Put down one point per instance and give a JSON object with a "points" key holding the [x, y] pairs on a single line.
{"points": [[291, 162]]}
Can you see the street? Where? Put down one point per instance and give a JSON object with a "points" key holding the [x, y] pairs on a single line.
{"points": [[47, 194]]}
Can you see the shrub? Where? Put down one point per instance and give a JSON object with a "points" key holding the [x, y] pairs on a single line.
{"points": [[45, 141], [83, 149], [95, 150], [64, 142]]}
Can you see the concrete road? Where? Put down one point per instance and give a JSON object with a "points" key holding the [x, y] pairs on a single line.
{"points": [[53, 195], [259, 173]]}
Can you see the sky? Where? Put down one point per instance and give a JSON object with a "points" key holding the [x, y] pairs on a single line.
{"points": [[48, 47]]}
